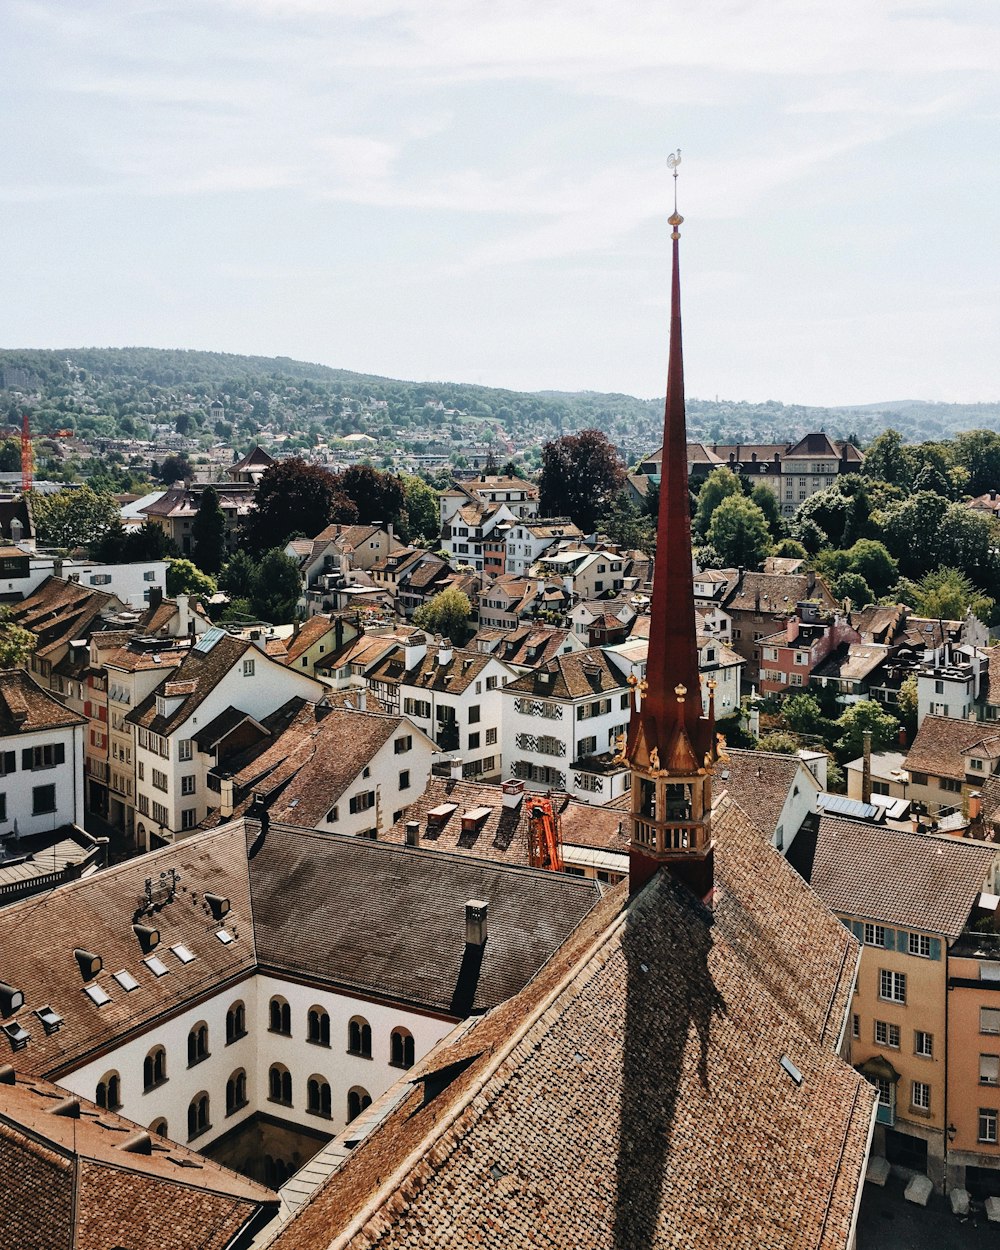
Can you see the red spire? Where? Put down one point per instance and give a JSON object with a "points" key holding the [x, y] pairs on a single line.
{"points": [[671, 720]]}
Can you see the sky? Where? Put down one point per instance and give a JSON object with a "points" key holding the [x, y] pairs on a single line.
{"points": [[456, 190]]}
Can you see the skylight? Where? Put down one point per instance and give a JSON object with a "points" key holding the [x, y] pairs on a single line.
{"points": [[156, 966], [183, 954], [208, 640], [791, 1069], [126, 980], [17, 1035], [225, 937], [97, 995]]}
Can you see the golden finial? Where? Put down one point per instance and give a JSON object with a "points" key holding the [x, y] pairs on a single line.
{"points": [[675, 219], [681, 692], [633, 681]]}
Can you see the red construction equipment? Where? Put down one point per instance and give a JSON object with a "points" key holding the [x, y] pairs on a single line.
{"points": [[545, 843], [27, 463]]}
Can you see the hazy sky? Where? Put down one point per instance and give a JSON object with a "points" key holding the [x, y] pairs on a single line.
{"points": [[478, 191]]}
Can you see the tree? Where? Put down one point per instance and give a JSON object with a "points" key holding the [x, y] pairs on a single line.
{"points": [[376, 495], [581, 474], [627, 527], [421, 508], [447, 614], [869, 559], [790, 550], [185, 578], [276, 588], [121, 546], [830, 509], [738, 531], [978, 452], [237, 575], [175, 469], [16, 644], [208, 531], [886, 460], [860, 716], [293, 496], [946, 594], [907, 702], [854, 587], [720, 484], [73, 518], [912, 532], [802, 714], [10, 455], [781, 744], [767, 501]]}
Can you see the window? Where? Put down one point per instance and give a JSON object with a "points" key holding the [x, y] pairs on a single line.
{"points": [[189, 817], [474, 741], [491, 737], [160, 814], [187, 784], [43, 799], [948, 783], [198, 1115], [279, 1084], [892, 986], [159, 780], [280, 1017], [989, 1020], [920, 945], [198, 1043], [49, 756], [357, 1100], [8, 762], [856, 1026], [976, 765], [402, 745], [874, 935], [474, 714], [989, 1069], [236, 1022], [491, 683], [318, 1099], [886, 1034], [236, 1091], [154, 1068], [359, 1037], [417, 707], [159, 1127], [248, 666], [401, 1048], [318, 1026], [185, 749], [362, 802], [923, 1044], [920, 1096], [988, 1124], [587, 746], [404, 779], [333, 814], [109, 1091]]}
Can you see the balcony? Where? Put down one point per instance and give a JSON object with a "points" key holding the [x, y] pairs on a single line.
{"points": [[667, 836]]}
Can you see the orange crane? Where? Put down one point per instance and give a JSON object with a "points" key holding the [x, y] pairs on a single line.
{"points": [[545, 842], [27, 463]]}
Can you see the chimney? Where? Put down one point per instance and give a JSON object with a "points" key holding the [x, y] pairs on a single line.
{"points": [[975, 805], [155, 596], [445, 652], [866, 768], [475, 922], [413, 833], [184, 619], [513, 793], [455, 767], [363, 699], [414, 650]]}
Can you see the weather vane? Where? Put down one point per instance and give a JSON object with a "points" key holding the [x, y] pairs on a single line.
{"points": [[673, 160]]}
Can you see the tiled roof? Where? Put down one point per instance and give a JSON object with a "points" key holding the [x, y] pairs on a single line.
{"points": [[70, 1183], [778, 592], [852, 661], [818, 444], [938, 746], [26, 708], [992, 692], [182, 501], [874, 872], [531, 644], [205, 669], [616, 1101], [571, 676], [455, 677], [134, 659], [311, 631], [390, 920], [761, 782], [257, 457], [58, 612]]}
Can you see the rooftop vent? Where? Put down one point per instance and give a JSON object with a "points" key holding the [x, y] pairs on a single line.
{"points": [[476, 914], [138, 1143], [149, 938], [218, 905], [17, 1035], [90, 964], [51, 1020], [68, 1107], [413, 833], [7, 1076], [11, 1000], [513, 793]]}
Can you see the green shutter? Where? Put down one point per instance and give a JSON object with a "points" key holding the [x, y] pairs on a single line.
{"points": [[935, 948], [890, 939], [857, 928], [902, 941]]}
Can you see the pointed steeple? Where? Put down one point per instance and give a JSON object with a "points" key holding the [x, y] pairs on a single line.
{"points": [[671, 743]]}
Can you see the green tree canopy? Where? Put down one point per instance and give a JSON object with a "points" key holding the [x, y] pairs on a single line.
{"points": [[790, 549], [781, 744], [276, 588], [581, 474], [802, 714], [946, 593], [627, 527], [720, 484], [421, 508], [978, 452], [293, 497], [175, 468], [121, 546], [869, 559], [886, 460], [854, 587], [767, 501], [375, 494], [16, 644], [237, 574], [208, 530], [739, 532], [860, 716], [185, 578], [447, 614], [73, 518]]}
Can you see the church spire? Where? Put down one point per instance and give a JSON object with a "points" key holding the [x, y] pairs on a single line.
{"points": [[671, 743]]}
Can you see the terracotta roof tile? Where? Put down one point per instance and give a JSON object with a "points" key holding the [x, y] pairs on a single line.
{"points": [[937, 748], [572, 676], [26, 708]]}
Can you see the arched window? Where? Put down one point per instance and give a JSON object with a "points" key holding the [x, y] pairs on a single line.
{"points": [[319, 1100], [359, 1037], [198, 1043], [198, 1115], [159, 1127], [154, 1068], [279, 1084], [280, 1017], [236, 1022], [357, 1100], [236, 1091], [319, 1026], [401, 1048], [109, 1091]]}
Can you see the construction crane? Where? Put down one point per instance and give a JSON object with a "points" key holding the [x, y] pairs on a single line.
{"points": [[27, 464], [545, 843]]}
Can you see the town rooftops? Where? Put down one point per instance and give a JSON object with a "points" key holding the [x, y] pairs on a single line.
{"points": [[761, 782], [58, 612], [26, 708], [86, 1178], [573, 675], [874, 872], [629, 1050], [777, 593], [203, 667], [435, 671], [939, 745]]}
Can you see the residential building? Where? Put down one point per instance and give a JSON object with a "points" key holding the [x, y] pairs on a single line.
{"points": [[527, 541], [527, 646], [777, 792], [517, 495], [789, 657], [174, 511], [317, 638], [249, 469], [585, 573], [948, 760]]}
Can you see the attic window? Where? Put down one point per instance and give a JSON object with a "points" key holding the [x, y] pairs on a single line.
{"points": [[97, 995], [183, 953], [156, 966], [51, 1020], [225, 937], [16, 1035], [474, 817], [126, 980], [791, 1069]]}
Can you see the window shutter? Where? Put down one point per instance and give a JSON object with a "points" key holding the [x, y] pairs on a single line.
{"points": [[26, 757], [902, 940], [935, 948], [59, 752], [890, 939], [858, 929], [10, 761]]}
